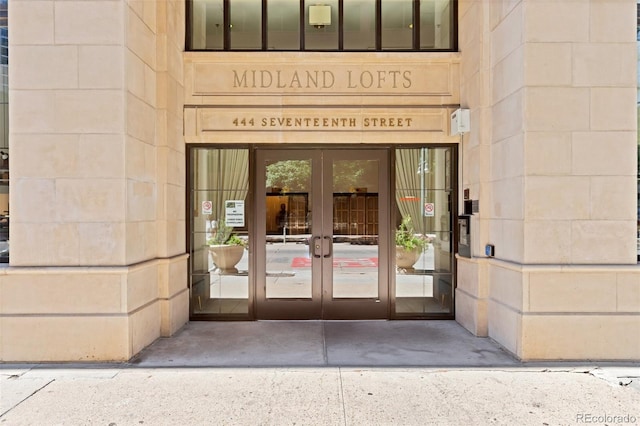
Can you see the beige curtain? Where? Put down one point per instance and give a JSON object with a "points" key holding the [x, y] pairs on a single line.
{"points": [[411, 165], [228, 171]]}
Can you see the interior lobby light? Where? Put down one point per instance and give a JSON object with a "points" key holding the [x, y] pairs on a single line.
{"points": [[319, 15]]}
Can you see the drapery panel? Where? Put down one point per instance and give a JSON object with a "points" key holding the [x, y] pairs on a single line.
{"points": [[228, 178], [411, 166]]}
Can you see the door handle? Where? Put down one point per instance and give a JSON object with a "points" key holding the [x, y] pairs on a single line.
{"points": [[315, 247], [330, 245]]}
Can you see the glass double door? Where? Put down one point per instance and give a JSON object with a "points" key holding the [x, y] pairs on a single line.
{"points": [[321, 223]]}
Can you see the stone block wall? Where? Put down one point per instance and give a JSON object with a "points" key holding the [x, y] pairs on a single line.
{"points": [[555, 171], [98, 264]]}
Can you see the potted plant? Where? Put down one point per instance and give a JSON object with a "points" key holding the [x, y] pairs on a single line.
{"points": [[226, 247], [409, 246]]}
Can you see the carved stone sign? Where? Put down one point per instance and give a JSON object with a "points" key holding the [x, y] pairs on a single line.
{"points": [[300, 119], [305, 78], [301, 97], [320, 79]]}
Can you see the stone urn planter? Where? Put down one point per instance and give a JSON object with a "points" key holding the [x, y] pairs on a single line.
{"points": [[409, 245], [226, 257], [405, 258]]}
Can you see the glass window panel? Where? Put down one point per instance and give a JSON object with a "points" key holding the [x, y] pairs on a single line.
{"points": [[246, 24], [207, 27], [424, 238], [321, 37], [4, 134], [283, 25], [435, 24], [288, 222], [355, 228], [425, 294], [425, 168], [412, 205], [219, 280], [359, 24], [397, 24]]}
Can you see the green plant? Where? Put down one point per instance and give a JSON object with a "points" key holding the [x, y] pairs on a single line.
{"points": [[224, 235], [235, 240], [407, 238]]}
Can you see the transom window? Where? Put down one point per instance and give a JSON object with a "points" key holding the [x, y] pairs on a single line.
{"points": [[322, 25]]}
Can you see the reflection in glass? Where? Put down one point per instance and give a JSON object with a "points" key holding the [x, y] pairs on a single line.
{"points": [[435, 24], [360, 25], [325, 36], [355, 228], [423, 203], [207, 24], [246, 24], [283, 25], [288, 222], [397, 24], [218, 283]]}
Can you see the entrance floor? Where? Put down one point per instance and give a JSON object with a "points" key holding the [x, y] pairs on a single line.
{"points": [[324, 343]]}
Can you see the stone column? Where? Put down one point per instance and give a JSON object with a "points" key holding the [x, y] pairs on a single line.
{"points": [[475, 78], [562, 210], [96, 168], [171, 175]]}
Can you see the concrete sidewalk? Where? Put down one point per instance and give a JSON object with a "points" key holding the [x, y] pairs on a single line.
{"points": [[321, 373], [315, 396]]}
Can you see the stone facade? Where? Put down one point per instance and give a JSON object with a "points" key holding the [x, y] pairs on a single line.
{"points": [[104, 101], [98, 269], [552, 160]]}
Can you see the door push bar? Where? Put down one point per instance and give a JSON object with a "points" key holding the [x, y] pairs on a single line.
{"points": [[317, 247], [330, 245]]}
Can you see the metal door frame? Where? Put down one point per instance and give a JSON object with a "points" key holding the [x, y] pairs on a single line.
{"points": [[322, 305]]}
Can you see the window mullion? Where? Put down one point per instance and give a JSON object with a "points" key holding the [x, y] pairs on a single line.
{"points": [[378, 25], [341, 25], [416, 24], [302, 27], [264, 25], [227, 25]]}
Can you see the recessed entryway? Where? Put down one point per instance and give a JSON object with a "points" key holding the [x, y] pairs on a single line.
{"points": [[324, 343], [333, 232]]}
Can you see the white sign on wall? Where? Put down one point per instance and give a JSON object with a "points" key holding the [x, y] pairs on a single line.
{"points": [[234, 213], [207, 207]]}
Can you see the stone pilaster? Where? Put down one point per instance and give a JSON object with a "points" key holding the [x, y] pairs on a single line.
{"points": [[562, 173], [94, 235]]}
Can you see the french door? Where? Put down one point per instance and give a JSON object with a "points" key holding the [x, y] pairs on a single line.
{"points": [[322, 238]]}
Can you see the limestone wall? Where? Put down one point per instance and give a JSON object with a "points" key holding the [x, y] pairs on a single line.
{"points": [[554, 169], [98, 269]]}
